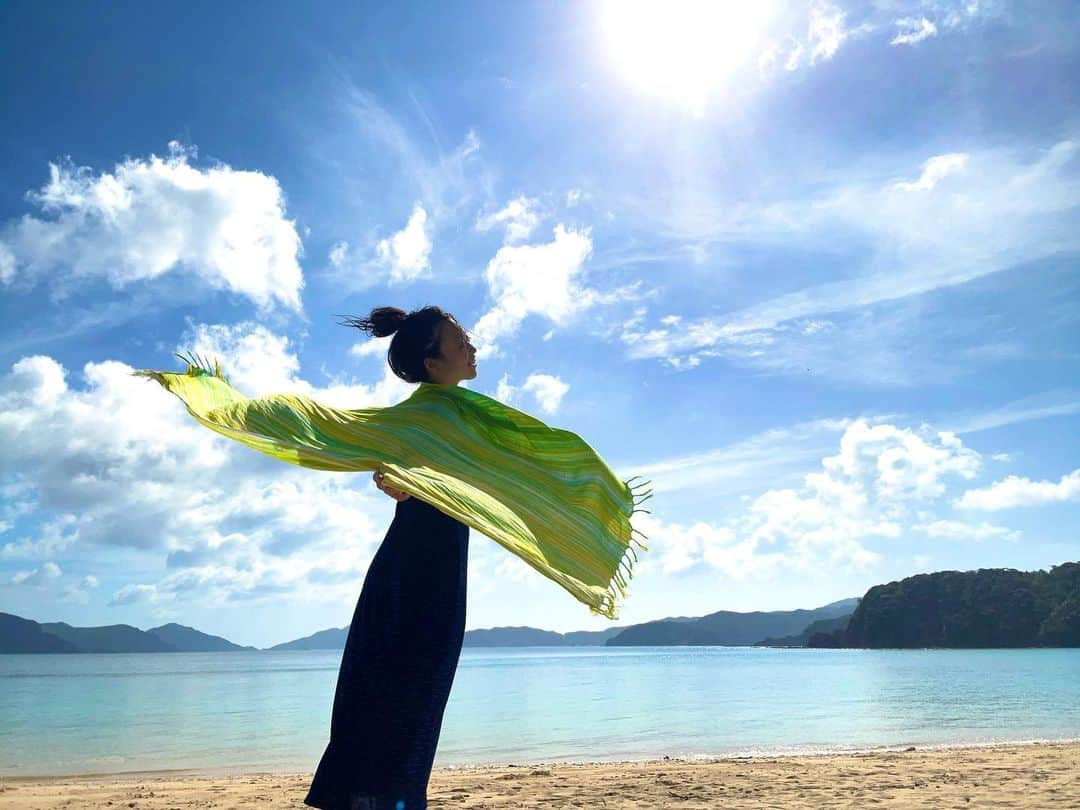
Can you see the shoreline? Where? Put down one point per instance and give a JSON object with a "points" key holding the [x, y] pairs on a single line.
{"points": [[1031, 774], [742, 755]]}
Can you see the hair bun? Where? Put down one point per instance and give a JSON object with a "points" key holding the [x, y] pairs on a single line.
{"points": [[382, 321]]}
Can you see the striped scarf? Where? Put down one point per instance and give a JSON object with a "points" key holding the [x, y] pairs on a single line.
{"points": [[539, 492]]}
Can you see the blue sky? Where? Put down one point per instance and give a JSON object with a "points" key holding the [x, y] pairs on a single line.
{"points": [[812, 269]]}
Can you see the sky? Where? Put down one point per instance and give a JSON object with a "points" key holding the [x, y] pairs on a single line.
{"points": [[812, 268]]}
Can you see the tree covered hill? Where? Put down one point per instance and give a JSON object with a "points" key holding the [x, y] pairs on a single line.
{"points": [[991, 607]]}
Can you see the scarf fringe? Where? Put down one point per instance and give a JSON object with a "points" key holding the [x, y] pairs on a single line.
{"points": [[198, 365], [620, 580]]}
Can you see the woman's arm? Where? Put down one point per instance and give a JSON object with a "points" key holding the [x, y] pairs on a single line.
{"points": [[396, 494]]}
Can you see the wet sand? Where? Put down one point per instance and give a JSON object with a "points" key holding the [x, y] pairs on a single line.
{"points": [[1042, 775]]}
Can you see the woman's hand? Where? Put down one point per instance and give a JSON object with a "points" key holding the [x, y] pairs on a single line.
{"points": [[396, 494]]}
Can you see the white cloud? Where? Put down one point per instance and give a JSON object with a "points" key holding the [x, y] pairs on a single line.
{"points": [[913, 30], [538, 279], [113, 460], [258, 361], [675, 548], [150, 217], [803, 42], [519, 217], [573, 197], [132, 594], [51, 538], [516, 570], [958, 530], [866, 490], [1042, 406], [935, 238], [826, 31], [934, 170], [372, 347], [7, 264], [746, 464], [406, 253], [38, 576], [1015, 491], [339, 254], [79, 592], [959, 14], [903, 464], [443, 182], [881, 477], [547, 391], [795, 56]]}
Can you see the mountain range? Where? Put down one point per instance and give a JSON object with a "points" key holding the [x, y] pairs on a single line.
{"points": [[19, 635], [985, 608], [724, 628]]}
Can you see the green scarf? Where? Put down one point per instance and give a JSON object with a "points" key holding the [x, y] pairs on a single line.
{"points": [[539, 492]]}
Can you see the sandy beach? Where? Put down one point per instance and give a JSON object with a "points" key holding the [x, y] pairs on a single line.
{"points": [[1039, 775]]}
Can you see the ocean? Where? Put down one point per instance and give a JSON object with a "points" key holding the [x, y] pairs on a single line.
{"points": [[270, 711]]}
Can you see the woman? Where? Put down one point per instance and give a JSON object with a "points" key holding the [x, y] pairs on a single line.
{"points": [[406, 634]]}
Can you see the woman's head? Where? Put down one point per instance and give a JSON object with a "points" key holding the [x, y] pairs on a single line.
{"points": [[429, 345]]}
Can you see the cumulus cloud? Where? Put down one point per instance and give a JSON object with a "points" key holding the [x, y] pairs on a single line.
{"points": [[677, 547], [80, 591], [1015, 491], [372, 347], [406, 253], [518, 218], [547, 391], [102, 458], [148, 217], [866, 490], [879, 480], [537, 279], [258, 361], [38, 576], [132, 594]]}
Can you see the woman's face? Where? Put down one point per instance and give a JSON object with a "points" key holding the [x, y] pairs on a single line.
{"points": [[457, 357]]}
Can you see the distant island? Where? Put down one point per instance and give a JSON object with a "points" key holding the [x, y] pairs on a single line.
{"points": [[992, 607], [727, 628], [18, 635]]}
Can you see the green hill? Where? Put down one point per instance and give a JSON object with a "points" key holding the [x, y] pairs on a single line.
{"points": [[991, 607], [728, 628], [826, 626], [115, 638], [188, 639], [19, 635], [332, 639]]}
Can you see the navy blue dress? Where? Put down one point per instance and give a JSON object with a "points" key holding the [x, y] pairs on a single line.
{"points": [[398, 666]]}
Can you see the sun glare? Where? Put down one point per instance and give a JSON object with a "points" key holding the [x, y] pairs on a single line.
{"points": [[682, 49]]}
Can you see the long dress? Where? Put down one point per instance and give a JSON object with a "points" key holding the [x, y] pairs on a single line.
{"points": [[398, 666]]}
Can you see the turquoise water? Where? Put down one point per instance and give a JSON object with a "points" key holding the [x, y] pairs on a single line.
{"points": [[270, 711]]}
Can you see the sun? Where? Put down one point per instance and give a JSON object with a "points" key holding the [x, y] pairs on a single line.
{"points": [[682, 49]]}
